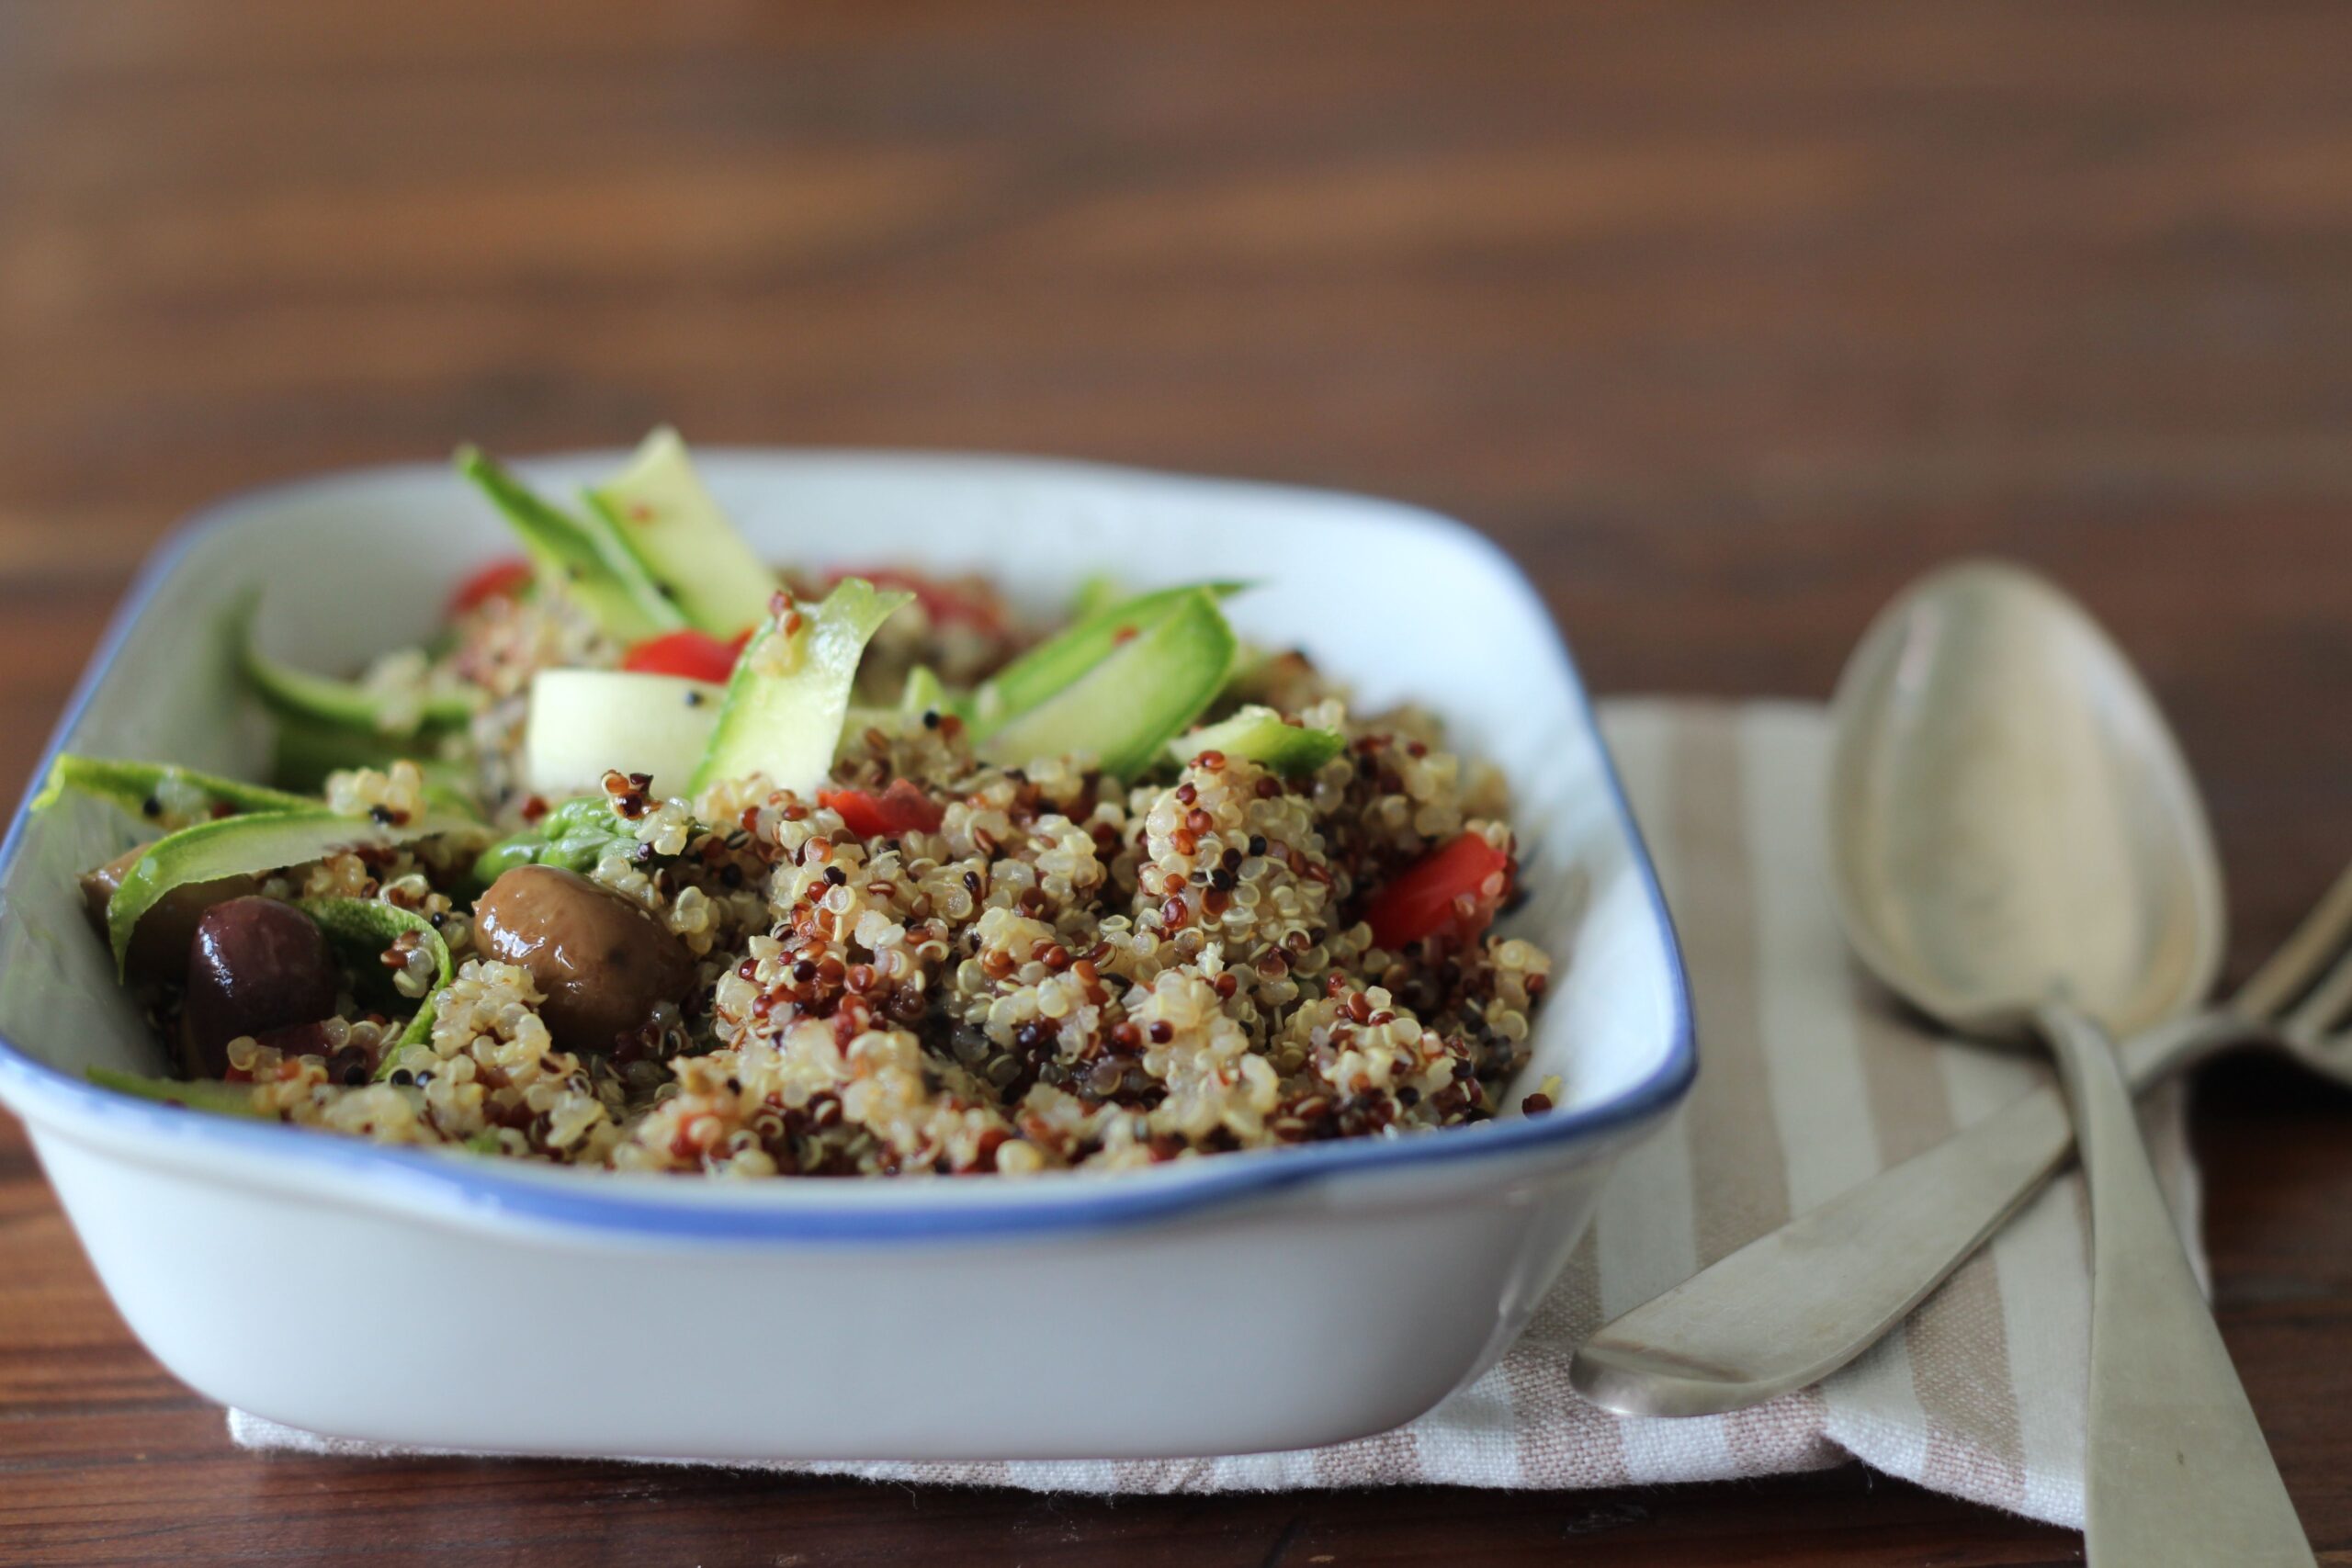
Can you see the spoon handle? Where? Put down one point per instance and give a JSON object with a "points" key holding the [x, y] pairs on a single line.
{"points": [[2177, 1471], [1797, 1303]]}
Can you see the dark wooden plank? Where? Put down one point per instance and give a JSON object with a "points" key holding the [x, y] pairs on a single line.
{"points": [[1724, 318]]}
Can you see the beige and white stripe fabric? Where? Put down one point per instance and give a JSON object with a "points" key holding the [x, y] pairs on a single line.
{"points": [[1808, 1084]]}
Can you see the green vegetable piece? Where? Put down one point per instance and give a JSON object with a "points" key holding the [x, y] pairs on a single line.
{"points": [[574, 836], [1063, 658], [448, 793], [298, 694], [585, 556], [361, 929], [1260, 734], [174, 793], [924, 692], [260, 841], [662, 516], [1127, 708], [1096, 594], [584, 723], [305, 750], [202, 1094], [782, 715]]}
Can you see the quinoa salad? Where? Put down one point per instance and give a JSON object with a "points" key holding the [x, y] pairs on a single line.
{"points": [[656, 857]]}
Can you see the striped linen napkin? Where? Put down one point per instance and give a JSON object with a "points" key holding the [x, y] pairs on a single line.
{"points": [[1810, 1083]]}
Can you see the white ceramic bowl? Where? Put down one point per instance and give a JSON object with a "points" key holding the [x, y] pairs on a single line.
{"points": [[1265, 1300]]}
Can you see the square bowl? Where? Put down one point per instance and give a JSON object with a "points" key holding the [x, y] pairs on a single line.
{"points": [[1260, 1300]]}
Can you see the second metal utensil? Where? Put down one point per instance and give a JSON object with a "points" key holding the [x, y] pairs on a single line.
{"points": [[1797, 1303]]}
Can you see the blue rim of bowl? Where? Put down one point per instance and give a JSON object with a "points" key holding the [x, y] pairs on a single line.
{"points": [[582, 1202]]}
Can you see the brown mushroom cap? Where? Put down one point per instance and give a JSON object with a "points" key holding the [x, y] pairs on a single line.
{"points": [[603, 962]]}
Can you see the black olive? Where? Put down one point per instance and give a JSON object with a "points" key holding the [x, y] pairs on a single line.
{"points": [[255, 965]]}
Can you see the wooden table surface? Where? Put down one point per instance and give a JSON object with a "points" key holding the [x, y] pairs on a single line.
{"points": [[1724, 318]]}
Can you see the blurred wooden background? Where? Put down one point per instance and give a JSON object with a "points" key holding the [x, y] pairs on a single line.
{"points": [[1724, 319]]}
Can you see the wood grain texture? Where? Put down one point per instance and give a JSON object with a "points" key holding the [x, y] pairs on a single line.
{"points": [[1725, 320]]}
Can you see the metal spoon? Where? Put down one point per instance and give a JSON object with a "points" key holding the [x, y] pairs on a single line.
{"points": [[2019, 851]]}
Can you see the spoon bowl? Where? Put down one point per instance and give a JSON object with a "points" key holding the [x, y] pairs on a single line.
{"points": [[2011, 819]]}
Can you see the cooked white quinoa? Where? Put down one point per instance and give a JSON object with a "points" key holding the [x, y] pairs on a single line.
{"points": [[1068, 973]]}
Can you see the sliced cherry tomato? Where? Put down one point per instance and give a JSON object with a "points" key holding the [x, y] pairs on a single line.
{"points": [[698, 656], [901, 809], [1457, 887], [503, 578], [944, 602]]}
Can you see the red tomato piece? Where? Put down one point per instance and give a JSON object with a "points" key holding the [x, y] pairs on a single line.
{"points": [[901, 809], [943, 602], [503, 578], [1457, 887], [698, 656]]}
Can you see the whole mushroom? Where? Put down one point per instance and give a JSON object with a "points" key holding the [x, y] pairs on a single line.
{"points": [[603, 962]]}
